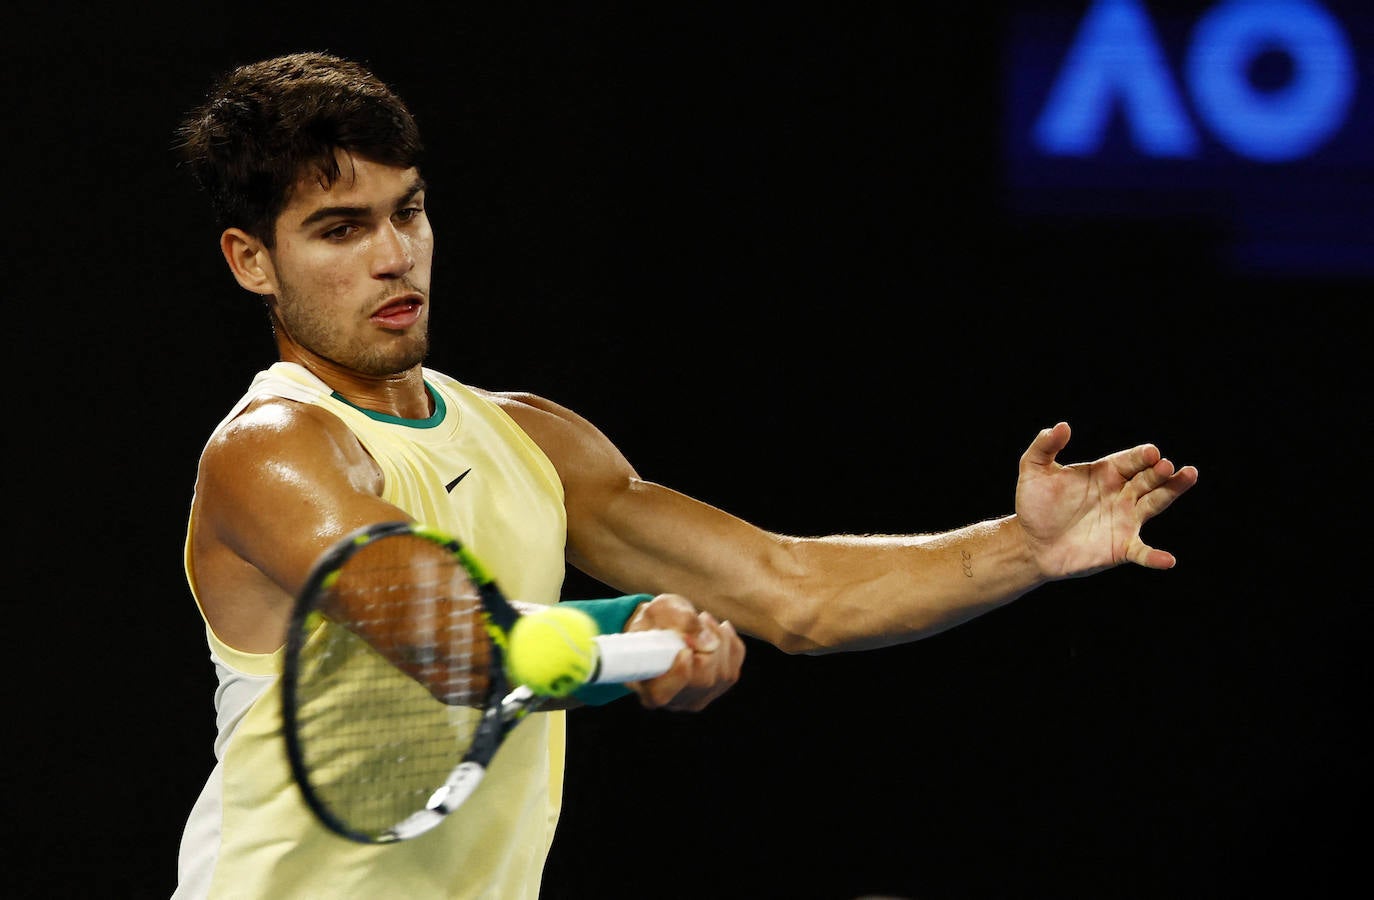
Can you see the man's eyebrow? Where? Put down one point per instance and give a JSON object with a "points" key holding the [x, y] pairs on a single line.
{"points": [[329, 212]]}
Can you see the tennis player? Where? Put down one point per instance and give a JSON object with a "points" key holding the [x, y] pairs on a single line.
{"points": [[313, 168]]}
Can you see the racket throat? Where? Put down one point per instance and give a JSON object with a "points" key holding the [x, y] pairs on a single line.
{"points": [[462, 781]]}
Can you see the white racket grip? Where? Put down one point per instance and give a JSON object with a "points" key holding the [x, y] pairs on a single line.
{"points": [[635, 655]]}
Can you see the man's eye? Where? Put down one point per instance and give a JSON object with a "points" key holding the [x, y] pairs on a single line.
{"points": [[338, 232], [409, 213]]}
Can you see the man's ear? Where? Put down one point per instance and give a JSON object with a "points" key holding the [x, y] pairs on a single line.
{"points": [[248, 260]]}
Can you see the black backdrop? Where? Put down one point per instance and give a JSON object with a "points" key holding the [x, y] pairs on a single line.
{"points": [[769, 253]]}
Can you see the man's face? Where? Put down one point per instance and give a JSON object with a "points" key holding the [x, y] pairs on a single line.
{"points": [[352, 265]]}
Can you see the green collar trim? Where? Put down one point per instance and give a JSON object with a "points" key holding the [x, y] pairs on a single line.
{"points": [[439, 409]]}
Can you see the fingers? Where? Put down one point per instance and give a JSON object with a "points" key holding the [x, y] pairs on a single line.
{"points": [[1143, 554], [1150, 475], [1140, 458], [1046, 445], [1159, 487], [706, 669], [671, 611], [1163, 490]]}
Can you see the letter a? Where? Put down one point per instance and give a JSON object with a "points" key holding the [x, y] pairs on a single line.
{"points": [[1115, 58]]}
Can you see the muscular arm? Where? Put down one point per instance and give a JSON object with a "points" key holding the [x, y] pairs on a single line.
{"points": [[275, 488], [285, 481], [847, 592]]}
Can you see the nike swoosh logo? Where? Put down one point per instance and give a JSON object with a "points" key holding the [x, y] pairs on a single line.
{"points": [[454, 483]]}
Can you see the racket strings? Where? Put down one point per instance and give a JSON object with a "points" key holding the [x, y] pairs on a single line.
{"points": [[393, 681]]}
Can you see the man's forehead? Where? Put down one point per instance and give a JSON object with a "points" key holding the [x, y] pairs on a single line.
{"points": [[357, 176]]}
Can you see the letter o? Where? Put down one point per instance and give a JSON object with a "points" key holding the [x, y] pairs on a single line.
{"points": [[1287, 123]]}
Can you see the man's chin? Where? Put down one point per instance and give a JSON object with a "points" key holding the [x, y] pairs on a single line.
{"points": [[394, 364]]}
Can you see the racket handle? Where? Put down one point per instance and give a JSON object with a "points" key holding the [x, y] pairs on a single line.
{"points": [[635, 655]]}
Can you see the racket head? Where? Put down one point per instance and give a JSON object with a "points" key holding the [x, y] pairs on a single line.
{"points": [[393, 681]]}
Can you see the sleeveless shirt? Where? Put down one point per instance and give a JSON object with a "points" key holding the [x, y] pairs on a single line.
{"points": [[469, 470]]}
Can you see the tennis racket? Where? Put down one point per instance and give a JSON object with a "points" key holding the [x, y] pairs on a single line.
{"points": [[395, 692]]}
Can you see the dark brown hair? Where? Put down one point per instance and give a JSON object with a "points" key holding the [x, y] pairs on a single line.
{"points": [[266, 124]]}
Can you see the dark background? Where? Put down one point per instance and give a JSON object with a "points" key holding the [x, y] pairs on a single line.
{"points": [[773, 255]]}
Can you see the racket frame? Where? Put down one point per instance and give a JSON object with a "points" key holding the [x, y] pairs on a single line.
{"points": [[500, 710], [621, 657]]}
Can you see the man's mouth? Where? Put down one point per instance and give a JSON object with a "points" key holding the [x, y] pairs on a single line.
{"points": [[399, 313]]}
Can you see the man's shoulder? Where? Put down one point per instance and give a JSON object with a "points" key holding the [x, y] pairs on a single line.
{"points": [[512, 402], [269, 426]]}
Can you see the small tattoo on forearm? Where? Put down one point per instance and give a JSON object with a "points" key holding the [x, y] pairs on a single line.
{"points": [[965, 558]]}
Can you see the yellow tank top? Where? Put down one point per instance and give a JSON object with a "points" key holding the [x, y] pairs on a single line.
{"points": [[467, 469]]}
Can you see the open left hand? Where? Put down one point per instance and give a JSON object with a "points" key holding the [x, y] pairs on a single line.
{"points": [[1086, 517]]}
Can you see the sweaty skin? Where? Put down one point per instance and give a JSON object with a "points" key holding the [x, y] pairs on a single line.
{"points": [[347, 287]]}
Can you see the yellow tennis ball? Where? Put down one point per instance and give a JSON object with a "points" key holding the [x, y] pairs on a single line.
{"points": [[552, 651]]}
